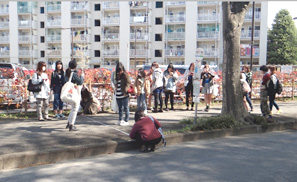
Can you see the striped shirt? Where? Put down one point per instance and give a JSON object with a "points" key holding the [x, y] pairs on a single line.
{"points": [[119, 94]]}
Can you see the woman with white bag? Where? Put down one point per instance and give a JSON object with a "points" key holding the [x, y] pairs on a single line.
{"points": [[74, 95]]}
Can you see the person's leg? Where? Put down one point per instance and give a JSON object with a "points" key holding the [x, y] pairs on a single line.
{"points": [[209, 99], [264, 105], [138, 102], [74, 110], [245, 102], [187, 96], [192, 96], [120, 105], [171, 99], [150, 101], [156, 100], [45, 106], [248, 99], [60, 107], [126, 108], [166, 100], [271, 100], [143, 103], [39, 108], [161, 99], [56, 104]]}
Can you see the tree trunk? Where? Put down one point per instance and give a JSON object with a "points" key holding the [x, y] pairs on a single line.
{"points": [[233, 16]]}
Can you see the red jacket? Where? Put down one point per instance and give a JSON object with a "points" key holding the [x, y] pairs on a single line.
{"points": [[146, 129]]}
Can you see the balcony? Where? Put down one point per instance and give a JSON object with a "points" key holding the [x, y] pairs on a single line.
{"points": [[248, 34], [111, 5], [24, 9], [207, 2], [111, 21], [111, 36], [249, 16], [24, 23], [53, 38], [174, 52], [175, 18], [176, 36], [4, 10], [139, 53], [4, 25], [24, 53], [54, 53], [111, 52], [4, 53], [139, 36], [4, 39], [79, 5], [138, 19], [210, 52], [208, 35], [53, 23], [81, 38], [208, 17], [138, 4], [176, 3], [80, 53], [24, 38], [53, 7]]}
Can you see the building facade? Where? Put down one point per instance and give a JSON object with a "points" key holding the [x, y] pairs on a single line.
{"points": [[133, 32]]}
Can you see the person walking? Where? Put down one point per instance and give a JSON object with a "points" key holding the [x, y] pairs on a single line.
{"points": [[207, 84], [157, 86], [170, 79], [245, 89], [188, 83], [272, 92], [248, 77], [78, 80], [142, 89], [150, 91], [263, 92], [42, 97], [145, 131], [122, 84], [57, 82]]}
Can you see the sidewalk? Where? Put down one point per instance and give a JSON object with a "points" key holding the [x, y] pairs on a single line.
{"points": [[32, 142]]}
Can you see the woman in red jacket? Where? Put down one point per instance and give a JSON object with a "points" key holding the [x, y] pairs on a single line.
{"points": [[145, 131]]}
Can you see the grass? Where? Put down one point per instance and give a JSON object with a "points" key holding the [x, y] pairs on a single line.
{"points": [[28, 115]]}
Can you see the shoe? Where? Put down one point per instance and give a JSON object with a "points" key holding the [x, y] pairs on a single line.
{"points": [[57, 116], [49, 119], [155, 110], [192, 109], [143, 148], [160, 110], [166, 109], [72, 128], [172, 109], [153, 148], [124, 123], [62, 116], [271, 113], [40, 119], [119, 122], [67, 126], [187, 108], [206, 109], [145, 112], [279, 111]]}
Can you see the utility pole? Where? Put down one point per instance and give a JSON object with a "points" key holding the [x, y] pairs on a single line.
{"points": [[252, 44]]}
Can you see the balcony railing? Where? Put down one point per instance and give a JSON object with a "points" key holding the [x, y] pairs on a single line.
{"points": [[24, 23], [174, 52], [208, 17], [138, 19], [176, 35], [111, 4], [81, 38], [111, 21], [4, 53], [54, 53], [24, 38], [54, 7], [79, 5], [212, 52], [207, 2], [175, 3], [4, 24], [80, 53], [136, 4], [111, 52], [111, 36], [24, 9], [139, 36], [4, 10], [175, 18], [139, 52], [79, 21], [4, 38], [26, 53], [53, 38], [56, 22], [248, 34], [208, 34]]}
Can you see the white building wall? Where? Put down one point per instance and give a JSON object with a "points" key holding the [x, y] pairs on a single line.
{"points": [[13, 32], [66, 32], [191, 32], [263, 33], [125, 34]]}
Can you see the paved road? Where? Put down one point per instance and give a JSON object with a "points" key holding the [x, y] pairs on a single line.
{"points": [[262, 157]]}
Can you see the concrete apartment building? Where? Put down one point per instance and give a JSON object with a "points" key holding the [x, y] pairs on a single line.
{"points": [[97, 33]]}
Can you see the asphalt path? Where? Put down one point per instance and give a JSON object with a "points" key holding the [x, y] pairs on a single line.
{"points": [[259, 157]]}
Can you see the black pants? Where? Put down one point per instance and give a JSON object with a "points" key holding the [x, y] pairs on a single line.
{"points": [[158, 95], [150, 143], [272, 102], [167, 94], [189, 90]]}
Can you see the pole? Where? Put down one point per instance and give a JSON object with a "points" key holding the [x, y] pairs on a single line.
{"points": [[72, 46], [135, 47], [252, 44]]}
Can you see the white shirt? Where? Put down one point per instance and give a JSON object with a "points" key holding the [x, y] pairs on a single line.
{"points": [[45, 88]]}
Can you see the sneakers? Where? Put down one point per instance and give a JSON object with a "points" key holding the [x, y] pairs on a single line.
{"points": [[62, 116], [206, 109], [160, 110], [124, 123], [155, 110], [57, 116], [72, 128], [279, 111]]}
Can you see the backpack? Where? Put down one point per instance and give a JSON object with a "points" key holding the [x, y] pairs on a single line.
{"points": [[272, 89], [279, 87]]}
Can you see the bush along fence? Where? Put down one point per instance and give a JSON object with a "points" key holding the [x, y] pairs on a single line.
{"points": [[13, 89]]}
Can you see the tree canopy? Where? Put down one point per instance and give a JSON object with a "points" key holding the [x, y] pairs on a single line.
{"points": [[282, 40]]}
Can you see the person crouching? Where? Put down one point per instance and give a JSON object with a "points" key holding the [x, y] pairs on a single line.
{"points": [[145, 131]]}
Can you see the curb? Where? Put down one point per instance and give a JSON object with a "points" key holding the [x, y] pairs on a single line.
{"points": [[33, 158]]}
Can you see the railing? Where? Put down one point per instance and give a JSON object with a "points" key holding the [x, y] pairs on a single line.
{"points": [[24, 23], [79, 21], [54, 53], [24, 38], [139, 36], [24, 9], [249, 16], [248, 34], [4, 24], [4, 53], [176, 35], [207, 2], [175, 3], [56, 22], [4, 10], [138, 19], [208, 34], [54, 7], [53, 38], [135, 4], [24, 52], [79, 5], [111, 52], [4, 38], [80, 53], [111, 4], [175, 18], [81, 38], [139, 52], [111, 36], [208, 17], [211, 52], [111, 21], [174, 52]]}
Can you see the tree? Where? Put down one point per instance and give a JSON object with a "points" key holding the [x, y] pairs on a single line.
{"points": [[282, 40], [233, 17]]}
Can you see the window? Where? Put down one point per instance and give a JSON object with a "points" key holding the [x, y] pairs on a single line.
{"points": [[97, 38], [97, 53], [42, 54], [41, 39], [158, 21], [97, 23], [158, 37], [42, 24], [41, 10], [158, 53], [97, 7], [159, 4]]}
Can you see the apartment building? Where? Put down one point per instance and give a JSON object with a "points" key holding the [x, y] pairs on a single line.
{"points": [[98, 33]]}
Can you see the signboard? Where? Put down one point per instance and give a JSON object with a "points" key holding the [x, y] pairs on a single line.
{"points": [[196, 81], [287, 69]]}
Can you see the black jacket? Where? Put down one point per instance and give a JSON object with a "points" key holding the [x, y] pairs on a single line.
{"points": [[57, 82]]}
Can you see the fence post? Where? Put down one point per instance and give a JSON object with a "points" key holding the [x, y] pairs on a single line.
{"points": [[26, 98], [293, 88]]}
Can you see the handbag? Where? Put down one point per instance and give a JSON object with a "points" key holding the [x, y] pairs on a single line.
{"points": [[114, 104], [34, 87], [69, 93], [130, 90]]}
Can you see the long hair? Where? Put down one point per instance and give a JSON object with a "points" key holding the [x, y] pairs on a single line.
{"points": [[272, 69], [40, 65], [170, 65], [56, 69], [191, 65], [120, 67], [141, 72], [138, 115], [71, 65], [247, 68]]}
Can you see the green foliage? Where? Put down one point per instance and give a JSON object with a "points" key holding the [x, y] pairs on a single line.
{"points": [[282, 40]]}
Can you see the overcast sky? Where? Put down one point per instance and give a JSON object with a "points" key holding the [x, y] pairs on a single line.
{"points": [[275, 6]]}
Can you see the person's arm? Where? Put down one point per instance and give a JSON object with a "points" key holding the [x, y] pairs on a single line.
{"points": [[157, 123], [133, 132], [52, 81], [36, 79], [79, 80], [266, 78]]}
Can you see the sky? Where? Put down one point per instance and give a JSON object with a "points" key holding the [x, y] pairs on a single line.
{"points": [[275, 6]]}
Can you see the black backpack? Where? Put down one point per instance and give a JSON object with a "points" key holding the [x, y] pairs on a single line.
{"points": [[271, 89], [279, 87]]}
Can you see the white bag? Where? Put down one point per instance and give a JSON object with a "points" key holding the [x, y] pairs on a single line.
{"points": [[69, 93], [114, 104]]}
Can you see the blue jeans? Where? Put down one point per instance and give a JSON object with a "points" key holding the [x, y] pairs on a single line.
{"points": [[141, 102], [272, 102], [57, 102], [248, 99], [123, 103]]}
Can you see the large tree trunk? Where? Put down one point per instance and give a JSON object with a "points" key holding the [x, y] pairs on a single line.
{"points": [[233, 16]]}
